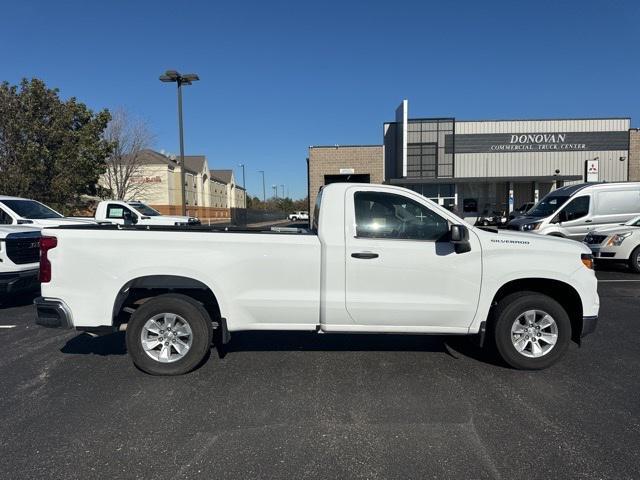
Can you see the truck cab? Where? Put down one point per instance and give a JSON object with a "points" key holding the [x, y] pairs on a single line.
{"points": [[137, 213]]}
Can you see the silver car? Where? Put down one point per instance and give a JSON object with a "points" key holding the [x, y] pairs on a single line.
{"points": [[617, 243]]}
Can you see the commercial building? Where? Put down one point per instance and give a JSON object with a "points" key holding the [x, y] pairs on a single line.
{"points": [[209, 194], [484, 165]]}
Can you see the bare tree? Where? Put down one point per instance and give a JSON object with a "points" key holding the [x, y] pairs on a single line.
{"points": [[129, 137]]}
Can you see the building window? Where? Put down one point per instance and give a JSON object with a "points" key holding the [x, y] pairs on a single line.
{"points": [[426, 155]]}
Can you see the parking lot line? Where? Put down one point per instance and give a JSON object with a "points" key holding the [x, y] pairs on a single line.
{"points": [[7, 326]]}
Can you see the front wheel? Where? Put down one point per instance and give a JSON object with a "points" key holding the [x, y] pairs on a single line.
{"points": [[634, 260], [531, 331], [169, 335]]}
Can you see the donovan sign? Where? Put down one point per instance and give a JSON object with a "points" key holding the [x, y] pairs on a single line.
{"points": [[537, 142]]}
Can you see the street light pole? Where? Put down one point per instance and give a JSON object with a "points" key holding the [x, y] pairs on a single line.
{"points": [[182, 169], [282, 190], [264, 194], [174, 76]]}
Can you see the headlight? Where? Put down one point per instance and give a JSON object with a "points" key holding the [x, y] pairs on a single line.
{"points": [[617, 239], [527, 227]]}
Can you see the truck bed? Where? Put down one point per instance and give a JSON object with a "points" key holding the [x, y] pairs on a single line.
{"points": [[264, 277]]}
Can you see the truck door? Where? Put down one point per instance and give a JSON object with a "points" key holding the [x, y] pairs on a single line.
{"points": [[401, 270]]}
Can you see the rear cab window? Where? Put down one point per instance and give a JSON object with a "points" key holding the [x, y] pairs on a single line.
{"points": [[316, 213]]}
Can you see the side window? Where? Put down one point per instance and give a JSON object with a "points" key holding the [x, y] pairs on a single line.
{"points": [[387, 215], [116, 211], [577, 208], [620, 202], [5, 219]]}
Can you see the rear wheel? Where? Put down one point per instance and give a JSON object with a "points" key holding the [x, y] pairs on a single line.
{"points": [[634, 260], [531, 330], [169, 335]]}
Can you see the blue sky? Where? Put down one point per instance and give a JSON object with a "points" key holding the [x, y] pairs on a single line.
{"points": [[277, 77]]}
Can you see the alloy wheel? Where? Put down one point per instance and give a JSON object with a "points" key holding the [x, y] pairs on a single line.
{"points": [[534, 333], [166, 337]]}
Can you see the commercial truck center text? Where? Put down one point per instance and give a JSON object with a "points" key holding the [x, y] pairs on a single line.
{"points": [[480, 166]]}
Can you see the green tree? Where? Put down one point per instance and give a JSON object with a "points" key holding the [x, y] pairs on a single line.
{"points": [[50, 150]]}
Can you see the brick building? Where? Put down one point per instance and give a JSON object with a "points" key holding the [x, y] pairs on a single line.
{"points": [[473, 166], [343, 163]]}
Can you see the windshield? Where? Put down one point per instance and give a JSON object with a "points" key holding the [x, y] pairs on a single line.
{"points": [[31, 209], [548, 206], [634, 222], [145, 209]]}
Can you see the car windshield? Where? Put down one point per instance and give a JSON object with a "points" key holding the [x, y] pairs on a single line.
{"points": [[548, 206], [145, 209], [31, 209], [634, 222]]}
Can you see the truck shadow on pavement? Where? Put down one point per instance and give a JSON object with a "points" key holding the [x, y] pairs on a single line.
{"points": [[20, 300], [85, 344], [273, 341], [454, 346]]}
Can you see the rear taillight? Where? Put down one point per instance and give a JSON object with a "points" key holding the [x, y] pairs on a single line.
{"points": [[46, 244]]}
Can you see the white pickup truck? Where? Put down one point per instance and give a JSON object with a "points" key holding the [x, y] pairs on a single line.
{"points": [[137, 213], [299, 215], [23, 211], [377, 259]]}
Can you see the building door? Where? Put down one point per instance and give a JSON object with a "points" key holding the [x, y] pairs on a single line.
{"points": [[354, 177]]}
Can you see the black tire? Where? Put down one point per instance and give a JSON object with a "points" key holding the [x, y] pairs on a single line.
{"points": [[634, 260], [196, 317], [509, 310]]}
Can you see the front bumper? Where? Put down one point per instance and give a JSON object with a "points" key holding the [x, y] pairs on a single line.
{"points": [[589, 325], [602, 253], [53, 313], [14, 282]]}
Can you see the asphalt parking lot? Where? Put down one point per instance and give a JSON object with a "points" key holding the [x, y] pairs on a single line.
{"points": [[291, 405]]}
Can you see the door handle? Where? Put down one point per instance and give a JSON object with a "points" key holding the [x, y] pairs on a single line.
{"points": [[365, 255], [588, 221]]}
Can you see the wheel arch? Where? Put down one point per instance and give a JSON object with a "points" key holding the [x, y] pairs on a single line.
{"points": [[560, 291], [137, 290]]}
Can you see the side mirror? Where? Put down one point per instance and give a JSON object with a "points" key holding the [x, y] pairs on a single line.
{"points": [[460, 238], [129, 218], [560, 217]]}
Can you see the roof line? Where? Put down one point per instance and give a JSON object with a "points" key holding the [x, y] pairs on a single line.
{"points": [[341, 146]]}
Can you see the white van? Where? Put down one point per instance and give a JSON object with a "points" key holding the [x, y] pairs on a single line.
{"points": [[575, 210]]}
